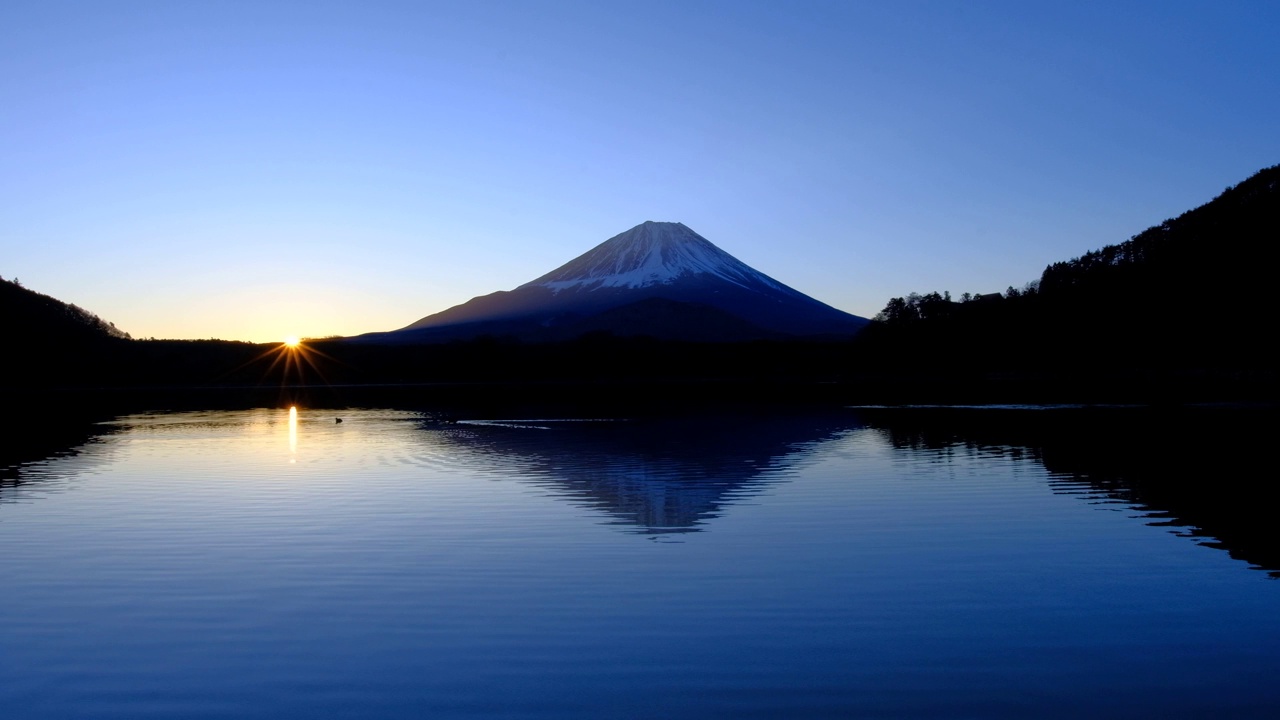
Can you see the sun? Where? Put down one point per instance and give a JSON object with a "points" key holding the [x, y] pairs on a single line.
{"points": [[294, 359]]}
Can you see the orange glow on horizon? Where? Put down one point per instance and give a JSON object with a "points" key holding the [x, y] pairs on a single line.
{"points": [[292, 341]]}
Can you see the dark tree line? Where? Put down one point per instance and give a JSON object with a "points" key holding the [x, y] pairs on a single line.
{"points": [[935, 307], [1190, 296]]}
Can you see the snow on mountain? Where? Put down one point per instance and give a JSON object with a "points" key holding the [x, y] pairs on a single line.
{"points": [[652, 253], [659, 279]]}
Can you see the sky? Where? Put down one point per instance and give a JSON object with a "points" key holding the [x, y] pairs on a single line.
{"points": [[253, 170]]}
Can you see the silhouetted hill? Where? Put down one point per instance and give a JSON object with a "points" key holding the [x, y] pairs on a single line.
{"points": [[1191, 296], [26, 315], [50, 342]]}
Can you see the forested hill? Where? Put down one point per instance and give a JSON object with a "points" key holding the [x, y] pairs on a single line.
{"points": [[1210, 257], [1194, 293], [27, 316]]}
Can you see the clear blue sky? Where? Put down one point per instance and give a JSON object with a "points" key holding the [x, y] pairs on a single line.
{"points": [[249, 170]]}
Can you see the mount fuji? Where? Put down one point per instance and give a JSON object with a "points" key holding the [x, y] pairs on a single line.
{"points": [[658, 279]]}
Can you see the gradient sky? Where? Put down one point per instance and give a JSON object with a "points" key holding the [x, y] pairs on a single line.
{"points": [[250, 170]]}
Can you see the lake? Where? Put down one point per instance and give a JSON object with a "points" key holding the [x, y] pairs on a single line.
{"points": [[865, 562]]}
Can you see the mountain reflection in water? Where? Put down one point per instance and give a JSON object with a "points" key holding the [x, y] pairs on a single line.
{"points": [[652, 476], [1192, 470], [265, 563]]}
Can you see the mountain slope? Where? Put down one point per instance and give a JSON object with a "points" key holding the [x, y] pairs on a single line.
{"points": [[651, 261], [51, 343], [1193, 295], [28, 316]]}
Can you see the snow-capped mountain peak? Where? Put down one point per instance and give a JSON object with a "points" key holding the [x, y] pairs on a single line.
{"points": [[652, 253], [659, 279]]}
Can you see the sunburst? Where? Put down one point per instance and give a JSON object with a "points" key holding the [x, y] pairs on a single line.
{"points": [[296, 361]]}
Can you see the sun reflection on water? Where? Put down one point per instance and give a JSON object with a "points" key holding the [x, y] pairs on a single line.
{"points": [[293, 433]]}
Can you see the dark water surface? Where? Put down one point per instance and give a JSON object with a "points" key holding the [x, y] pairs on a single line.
{"points": [[857, 563]]}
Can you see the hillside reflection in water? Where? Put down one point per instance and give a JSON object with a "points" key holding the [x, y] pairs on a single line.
{"points": [[1192, 470]]}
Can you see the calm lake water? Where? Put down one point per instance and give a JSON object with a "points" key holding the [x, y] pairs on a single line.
{"points": [[854, 563]]}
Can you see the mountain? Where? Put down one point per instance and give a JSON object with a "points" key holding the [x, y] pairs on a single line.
{"points": [[658, 279]]}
